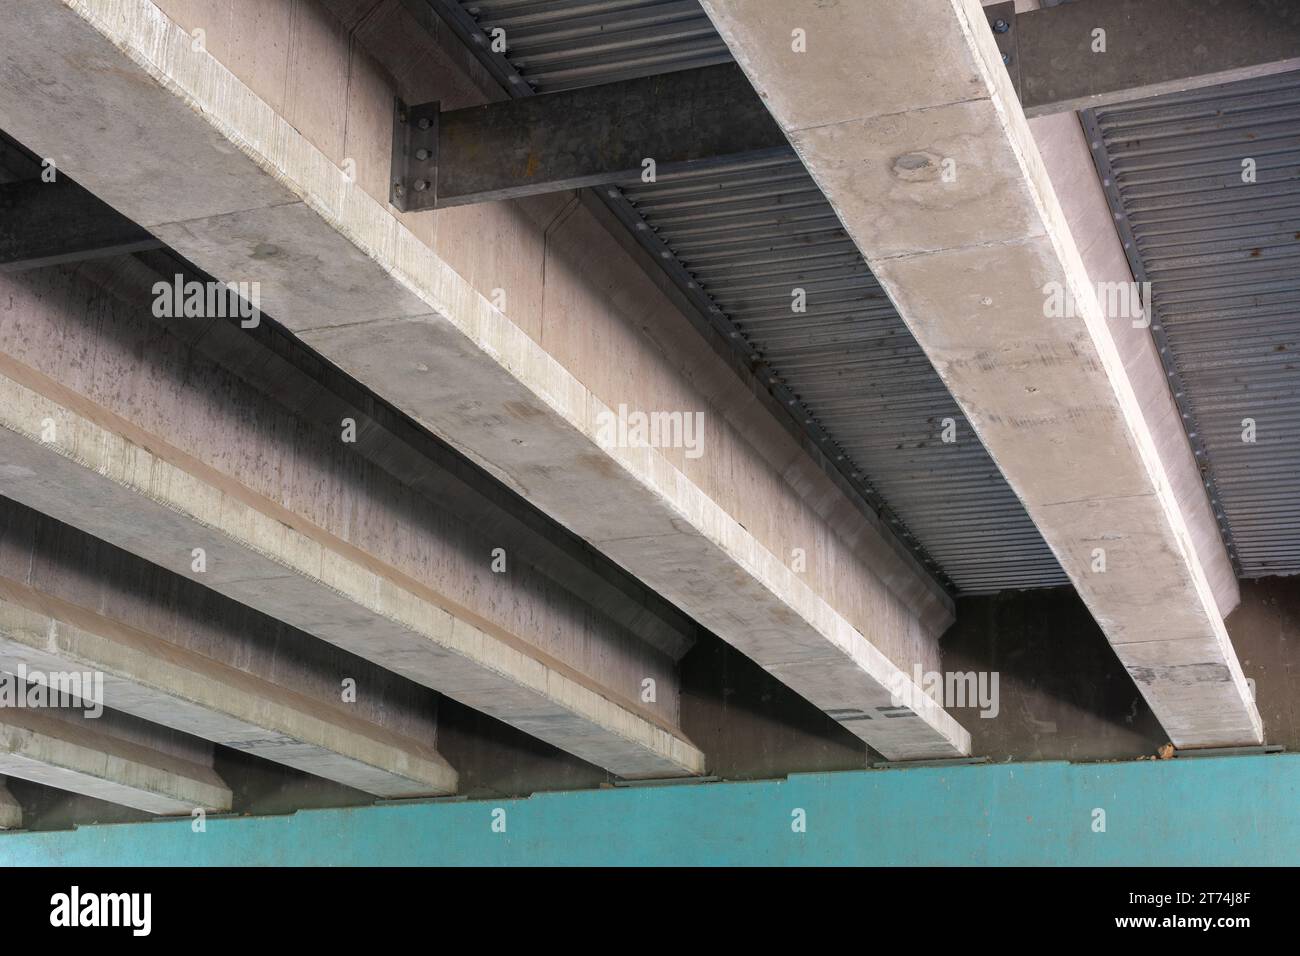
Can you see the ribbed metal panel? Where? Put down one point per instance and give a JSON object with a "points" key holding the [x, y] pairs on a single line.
{"points": [[1223, 259], [737, 241], [562, 44], [749, 237]]}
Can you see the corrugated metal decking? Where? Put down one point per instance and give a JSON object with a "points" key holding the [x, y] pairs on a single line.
{"points": [[1223, 258], [749, 237], [562, 44], [738, 241]]}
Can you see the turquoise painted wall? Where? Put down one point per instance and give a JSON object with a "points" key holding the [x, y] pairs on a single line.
{"points": [[1207, 811]]}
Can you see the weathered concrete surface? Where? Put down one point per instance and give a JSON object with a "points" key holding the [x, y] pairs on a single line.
{"points": [[753, 727], [116, 427], [11, 811], [1066, 157], [93, 756], [888, 98], [520, 390], [178, 655], [274, 363], [1265, 629]]}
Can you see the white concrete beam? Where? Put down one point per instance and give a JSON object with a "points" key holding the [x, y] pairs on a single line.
{"points": [[365, 288], [179, 655], [70, 751], [151, 678], [364, 565], [1068, 161], [905, 116]]}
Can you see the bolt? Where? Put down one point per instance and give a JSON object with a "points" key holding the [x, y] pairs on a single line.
{"points": [[1001, 26], [1006, 58], [401, 117], [399, 190], [424, 122], [421, 185], [422, 154]]}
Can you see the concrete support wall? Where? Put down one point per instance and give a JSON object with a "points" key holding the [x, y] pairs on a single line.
{"points": [[1063, 696], [1265, 629], [406, 305], [114, 425], [11, 812], [174, 653], [907, 120]]}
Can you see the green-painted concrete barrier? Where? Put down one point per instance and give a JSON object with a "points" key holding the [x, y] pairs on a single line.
{"points": [[1210, 811]]}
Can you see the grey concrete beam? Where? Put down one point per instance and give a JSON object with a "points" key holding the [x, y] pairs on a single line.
{"points": [[682, 121], [1075, 56], [49, 223], [280, 367], [11, 811], [398, 587], [200, 666], [886, 102], [166, 685], [68, 750], [716, 536], [147, 505]]}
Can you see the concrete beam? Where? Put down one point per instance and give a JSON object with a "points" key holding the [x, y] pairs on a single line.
{"points": [[971, 260], [291, 524], [68, 750], [11, 811], [323, 396], [684, 121], [1145, 48], [715, 535], [59, 222], [171, 653], [1066, 157]]}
